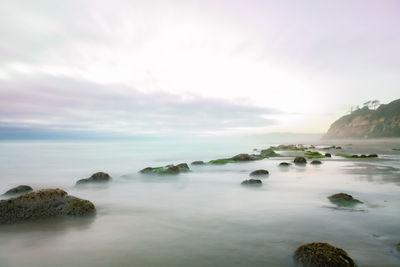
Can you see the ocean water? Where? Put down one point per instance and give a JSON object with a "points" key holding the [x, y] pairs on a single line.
{"points": [[205, 217]]}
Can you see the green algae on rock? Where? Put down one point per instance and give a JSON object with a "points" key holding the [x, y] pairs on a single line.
{"points": [[43, 204], [313, 154], [169, 169], [319, 254], [343, 199]]}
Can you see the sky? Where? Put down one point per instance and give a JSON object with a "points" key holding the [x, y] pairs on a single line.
{"points": [[126, 68]]}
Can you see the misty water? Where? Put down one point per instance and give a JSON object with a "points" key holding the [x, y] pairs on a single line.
{"points": [[204, 217]]}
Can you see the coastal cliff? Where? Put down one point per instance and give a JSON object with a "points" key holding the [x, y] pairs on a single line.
{"points": [[368, 123]]}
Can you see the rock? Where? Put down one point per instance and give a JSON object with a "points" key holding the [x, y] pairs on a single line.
{"points": [[43, 204], [221, 161], [322, 255], [252, 182], [169, 169], [198, 162], [300, 160], [269, 152], [98, 177], [284, 164], [372, 156], [342, 199], [183, 167], [259, 173], [328, 155], [243, 157], [398, 247], [338, 147], [313, 154], [316, 162], [18, 190]]}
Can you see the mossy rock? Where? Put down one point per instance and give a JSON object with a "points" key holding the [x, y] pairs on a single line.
{"points": [[43, 204], [322, 255], [313, 154], [345, 200], [252, 182], [221, 161], [21, 189], [328, 155], [243, 157], [165, 170], [78, 207], [356, 156], [300, 160], [284, 164], [259, 173], [269, 152], [98, 177]]}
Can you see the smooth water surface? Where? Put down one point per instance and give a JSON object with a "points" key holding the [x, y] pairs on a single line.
{"points": [[205, 217]]}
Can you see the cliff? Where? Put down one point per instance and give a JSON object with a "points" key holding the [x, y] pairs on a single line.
{"points": [[367, 123]]}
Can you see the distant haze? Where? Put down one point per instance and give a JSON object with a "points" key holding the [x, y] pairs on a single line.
{"points": [[127, 68]]}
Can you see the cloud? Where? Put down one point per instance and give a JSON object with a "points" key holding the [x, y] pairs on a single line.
{"points": [[65, 105]]}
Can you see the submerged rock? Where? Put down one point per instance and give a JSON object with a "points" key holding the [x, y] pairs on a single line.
{"points": [[316, 162], [257, 182], [259, 173], [169, 169], [300, 160], [372, 156], [284, 164], [43, 204], [328, 155], [243, 157], [269, 152], [198, 162], [342, 199], [98, 177], [18, 190], [322, 255]]}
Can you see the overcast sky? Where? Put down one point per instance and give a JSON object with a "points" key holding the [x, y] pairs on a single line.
{"points": [[194, 67]]}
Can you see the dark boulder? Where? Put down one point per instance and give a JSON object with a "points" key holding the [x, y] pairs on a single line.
{"points": [[328, 155], [259, 173], [372, 156], [284, 164], [98, 177], [256, 182], [198, 162], [300, 160], [342, 199], [43, 204], [18, 190], [316, 162], [322, 255]]}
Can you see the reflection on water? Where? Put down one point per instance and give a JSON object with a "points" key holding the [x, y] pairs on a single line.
{"points": [[201, 218]]}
